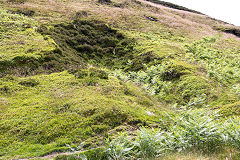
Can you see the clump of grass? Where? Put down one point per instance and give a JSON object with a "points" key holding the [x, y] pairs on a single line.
{"points": [[231, 132], [149, 143], [29, 82], [104, 1], [25, 12], [119, 148], [17, 1], [91, 76], [236, 89], [230, 109]]}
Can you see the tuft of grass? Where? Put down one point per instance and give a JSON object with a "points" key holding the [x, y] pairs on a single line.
{"points": [[17, 1], [105, 1], [119, 148]]}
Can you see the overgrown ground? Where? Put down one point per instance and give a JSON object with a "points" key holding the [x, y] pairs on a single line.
{"points": [[77, 73]]}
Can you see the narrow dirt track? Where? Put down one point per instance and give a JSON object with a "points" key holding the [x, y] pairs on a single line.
{"points": [[55, 154], [51, 156]]}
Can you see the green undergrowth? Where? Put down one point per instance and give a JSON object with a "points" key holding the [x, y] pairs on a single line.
{"points": [[63, 46], [93, 42], [202, 76], [222, 65], [20, 42], [175, 82], [201, 132], [80, 81], [43, 113], [162, 44]]}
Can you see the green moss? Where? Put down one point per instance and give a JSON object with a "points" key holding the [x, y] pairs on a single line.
{"points": [[45, 112], [191, 86], [21, 45], [19, 40], [75, 103], [230, 109]]}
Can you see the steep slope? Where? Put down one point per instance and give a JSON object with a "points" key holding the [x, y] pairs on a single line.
{"points": [[78, 72]]}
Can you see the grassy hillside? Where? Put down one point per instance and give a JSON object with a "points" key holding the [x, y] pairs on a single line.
{"points": [[135, 78]]}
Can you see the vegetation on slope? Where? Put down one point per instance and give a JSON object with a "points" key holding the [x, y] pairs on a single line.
{"points": [[197, 131], [93, 42], [77, 72], [229, 29], [50, 111], [204, 76], [21, 45], [190, 129]]}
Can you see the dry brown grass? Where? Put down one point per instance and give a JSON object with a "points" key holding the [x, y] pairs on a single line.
{"points": [[130, 17]]}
